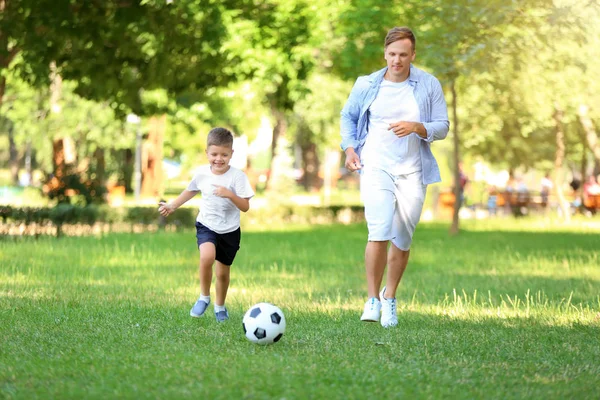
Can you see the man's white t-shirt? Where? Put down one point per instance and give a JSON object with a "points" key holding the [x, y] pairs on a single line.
{"points": [[395, 102], [217, 213]]}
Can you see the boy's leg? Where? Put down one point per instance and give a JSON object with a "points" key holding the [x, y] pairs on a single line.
{"points": [[207, 259], [227, 248], [222, 273]]}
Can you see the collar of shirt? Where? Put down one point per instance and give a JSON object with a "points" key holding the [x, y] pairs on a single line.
{"points": [[377, 77]]}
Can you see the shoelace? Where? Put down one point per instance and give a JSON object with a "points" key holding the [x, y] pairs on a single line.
{"points": [[391, 303]]}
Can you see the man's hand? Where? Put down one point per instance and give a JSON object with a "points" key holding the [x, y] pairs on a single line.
{"points": [[222, 191], [405, 128], [165, 209], [352, 160]]}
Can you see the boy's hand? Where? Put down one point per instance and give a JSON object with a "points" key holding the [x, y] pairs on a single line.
{"points": [[222, 191], [165, 209]]}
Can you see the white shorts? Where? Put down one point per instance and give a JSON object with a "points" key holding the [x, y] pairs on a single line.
{"points": [[393, 205]]}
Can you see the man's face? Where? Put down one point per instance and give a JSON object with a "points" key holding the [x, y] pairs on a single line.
{"points": [[399, 55], [219, 157]]}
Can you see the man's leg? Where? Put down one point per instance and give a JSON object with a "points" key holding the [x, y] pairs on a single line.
{"points": [[375, 259], [377, 194], [397, 261], [410, 196]]}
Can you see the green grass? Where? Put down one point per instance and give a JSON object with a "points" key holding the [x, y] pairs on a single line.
{"points": [[498, 312]]}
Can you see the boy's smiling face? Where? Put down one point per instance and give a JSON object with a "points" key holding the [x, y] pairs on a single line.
{"points": [[219, 158]]}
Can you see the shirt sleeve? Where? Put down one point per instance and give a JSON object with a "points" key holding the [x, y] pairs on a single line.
{"points": [[242, 186], [195, 184], [349, 117], [438, 125]]}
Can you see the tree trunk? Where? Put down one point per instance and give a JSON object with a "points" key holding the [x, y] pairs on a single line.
{"points": [[152, 175], [29, 163], [454, 228], [309, 157], [13, 156], [55, 89], [310, 165], [558, 164], [590, 132], [100, 166], [127, 170], [279, 156], [2, 85], [582, 167]]}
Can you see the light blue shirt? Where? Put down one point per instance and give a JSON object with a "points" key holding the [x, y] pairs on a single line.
{"points": [[432, 107]]}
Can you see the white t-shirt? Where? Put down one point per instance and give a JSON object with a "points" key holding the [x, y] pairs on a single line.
{"points": [[217, 213], [395, 102]]}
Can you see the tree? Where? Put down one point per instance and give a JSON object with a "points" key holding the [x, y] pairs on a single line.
{"points": [[118, 51], [115, 49], [277, 56], [458, 39], [316, 123]]}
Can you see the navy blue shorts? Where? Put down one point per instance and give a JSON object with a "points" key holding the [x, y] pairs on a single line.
{"points": [[226, 244]]}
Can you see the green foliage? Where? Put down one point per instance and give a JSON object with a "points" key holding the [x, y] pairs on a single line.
{"points": [[135, 46], [90, 214], [320, 109], [229, 63], [512, 63], [271, 44]]}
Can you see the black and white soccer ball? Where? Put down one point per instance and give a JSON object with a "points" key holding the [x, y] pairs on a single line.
{"points": [[264, 323]]}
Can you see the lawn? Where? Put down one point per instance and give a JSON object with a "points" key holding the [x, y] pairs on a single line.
{"points": [[505, 310]]}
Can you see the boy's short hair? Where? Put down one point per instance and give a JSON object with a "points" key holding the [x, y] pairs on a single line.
{"points": [[219, 137]]}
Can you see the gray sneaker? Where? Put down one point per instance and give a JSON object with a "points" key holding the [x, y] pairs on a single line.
{"points": [[222, 316], [199, 308]]}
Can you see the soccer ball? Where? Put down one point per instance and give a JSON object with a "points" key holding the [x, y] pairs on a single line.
{"points": [[264, 323]]}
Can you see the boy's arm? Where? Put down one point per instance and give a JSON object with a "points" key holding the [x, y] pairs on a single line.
{"points": [[242, 203], [165, 209]]}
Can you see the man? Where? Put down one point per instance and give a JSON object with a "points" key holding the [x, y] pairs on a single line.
{"points": [[387, 126]]}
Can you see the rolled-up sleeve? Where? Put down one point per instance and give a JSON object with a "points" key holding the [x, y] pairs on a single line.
{"points": [[438, 125], [349, 117]]}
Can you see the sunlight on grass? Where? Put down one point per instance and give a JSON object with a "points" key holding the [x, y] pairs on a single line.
{"points": [[102, 316]]}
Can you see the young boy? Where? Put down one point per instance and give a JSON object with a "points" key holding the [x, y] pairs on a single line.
{"points": [[225, 192]]}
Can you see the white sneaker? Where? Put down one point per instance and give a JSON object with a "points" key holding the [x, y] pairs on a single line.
{"points": [[372, 311], [388, 311]]}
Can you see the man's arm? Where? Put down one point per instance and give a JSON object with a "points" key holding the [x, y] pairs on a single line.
{"points": [[404, 128], [437, 127], [349, 116]]}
